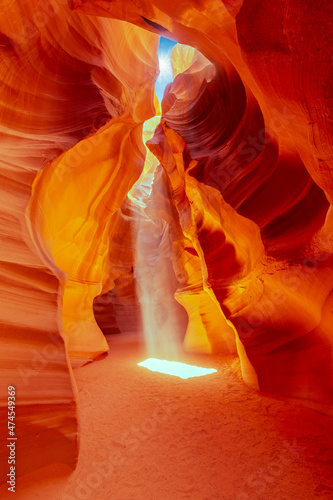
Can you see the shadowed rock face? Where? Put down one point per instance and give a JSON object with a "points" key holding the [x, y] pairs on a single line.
{"points": [[235, 187]]}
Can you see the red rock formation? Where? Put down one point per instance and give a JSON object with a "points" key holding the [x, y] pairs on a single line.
{"points": [[241, 198], [269, 135], [63, 76]]}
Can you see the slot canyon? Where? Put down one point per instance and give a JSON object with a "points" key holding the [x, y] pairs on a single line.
{"points": [[166, 250]]}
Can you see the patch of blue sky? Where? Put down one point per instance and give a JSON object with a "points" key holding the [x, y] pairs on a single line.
{"points": [[164, 50]]}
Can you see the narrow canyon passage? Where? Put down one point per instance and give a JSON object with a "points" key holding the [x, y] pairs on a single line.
{"points": [[152, 436], [166, 191]]}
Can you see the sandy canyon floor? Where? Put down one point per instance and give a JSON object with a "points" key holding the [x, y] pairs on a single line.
{"points": [[151, 436]]}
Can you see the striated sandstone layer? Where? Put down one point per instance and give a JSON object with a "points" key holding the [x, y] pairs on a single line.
{"points": [[63, 78], [255, 134], [230, 207]]}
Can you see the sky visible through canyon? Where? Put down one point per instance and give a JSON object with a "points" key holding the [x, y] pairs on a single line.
{"points": [[164, 51]]}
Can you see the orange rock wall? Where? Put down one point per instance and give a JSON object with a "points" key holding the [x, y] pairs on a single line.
{"points": [[63, 77], [259, 132], [245, 147]]}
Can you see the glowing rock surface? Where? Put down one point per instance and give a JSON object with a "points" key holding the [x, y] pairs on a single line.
{"points": [[236, 192]]}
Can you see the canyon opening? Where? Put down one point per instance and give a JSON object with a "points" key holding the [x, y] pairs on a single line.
{"points": [[166, 258]]}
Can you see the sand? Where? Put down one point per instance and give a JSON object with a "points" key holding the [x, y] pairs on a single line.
{"points": [[151, 436]]}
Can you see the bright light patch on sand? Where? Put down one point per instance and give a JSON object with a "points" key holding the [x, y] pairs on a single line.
{"points": [[175, 368]]}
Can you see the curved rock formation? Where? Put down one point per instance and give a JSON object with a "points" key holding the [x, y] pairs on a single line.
{"points": [[234, 189], [64, 77]]}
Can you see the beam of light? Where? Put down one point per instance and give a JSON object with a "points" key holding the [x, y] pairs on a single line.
{"points": [[141, 190], [175, 368], [164, 50]]}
